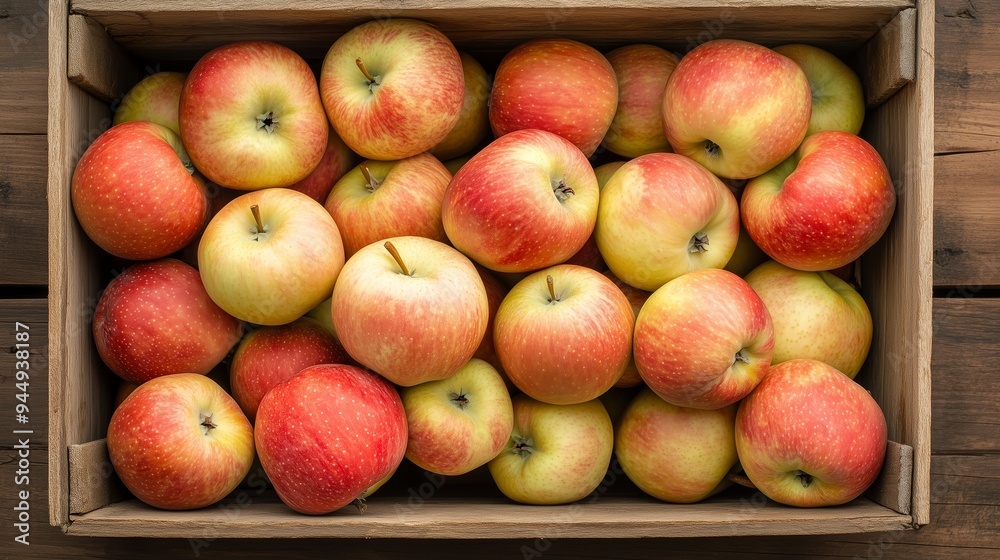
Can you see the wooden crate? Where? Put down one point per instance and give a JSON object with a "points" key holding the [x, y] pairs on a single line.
{"points": [[99, 48]]}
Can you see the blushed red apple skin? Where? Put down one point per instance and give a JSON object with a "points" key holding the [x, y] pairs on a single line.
{"points": [[164, 456], [636, 298], [805, 415], [822, 208], [501, 210], [557, 85], [133, 195], [690, 333], [337, 160], [418, 100], [642, 72], [156, 319], [749, 100], [406, 202], [219, 124], [329, 433], [269, 355]]}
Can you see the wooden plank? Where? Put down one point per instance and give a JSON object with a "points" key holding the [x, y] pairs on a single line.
{"points": [[23, 27], [889, 60], [23, 206], [96, 63], [894, 486], [967, 113], [92, 480], [158, 31], [966, 220], [33, 313], [497, 518], [965, 389], [898, 269]]}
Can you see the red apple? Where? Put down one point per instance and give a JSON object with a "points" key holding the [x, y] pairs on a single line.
{"points": [[381, 199], [326, 435], [474, 121], [703, 340], [337, 160], [642, 72], [810, 436], [525, 202], [564, 334], [662, 215], [823, 207], [180, 442], [156, 318], [636, 298], [410, 308], [736, 107], [495, 292], [155, 99], [134, 194], [272, 134], [392, 88], [269, 355], [557, 85]]}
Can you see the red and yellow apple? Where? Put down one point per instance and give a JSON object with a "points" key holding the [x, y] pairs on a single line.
{"points": [[337, 160], [838, 102], [155, 98], [642, 72], [474, 121]]}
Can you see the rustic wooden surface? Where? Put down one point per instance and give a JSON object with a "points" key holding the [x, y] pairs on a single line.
{"points": [[965, 496]]}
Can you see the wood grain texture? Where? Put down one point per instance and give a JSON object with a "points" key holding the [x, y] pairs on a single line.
{"points": [[897, 270], [189, 29], [23, 67], [96, 63], [888, 61], [894, 486], [23, 207], [92, 480], [966, 221]]}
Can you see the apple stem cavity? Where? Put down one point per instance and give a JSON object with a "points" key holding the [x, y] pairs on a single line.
{"points": [[699, 243], [371, 184], [552, 289], [260, 225], [395, 255], [562, 190], [373, 81], [267, 121], [712, 149], [460, 399], [741, 357], [522, 447], [741, 479], [805, 478], [206, 422]]}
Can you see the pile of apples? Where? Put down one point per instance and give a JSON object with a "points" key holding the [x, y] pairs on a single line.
{"points": [[369, 304]]}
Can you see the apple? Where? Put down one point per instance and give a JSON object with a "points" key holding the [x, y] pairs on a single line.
{"points": [[329, 433], [393, 88], [134, 194], [270, 255], [642, 72], [605, 171], [662, 215], [321, 313], [495, 293], [381, 199], [557, 85], [527, 201], [809, 436], [564, 334], [746, 256], [269, 355], [676, 454], [410, 308], [180, 442], [156, 318], [474, 121], [816, 315], [737, 108], [703, 340], [337, 160], [838, 102], [556, 454], [453, 165], [155, 99], [636, 298], [459, 423], [823, 207], [247, 138]]}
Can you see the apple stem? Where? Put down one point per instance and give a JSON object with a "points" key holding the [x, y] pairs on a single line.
{"points": [[395, 255], [361, 66], [741, 357], [699, 243], [371, 183], [562, 190], [206, 421], [359, 503], [552, 288], [741, 479], [460, 400], [256, 216]]}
